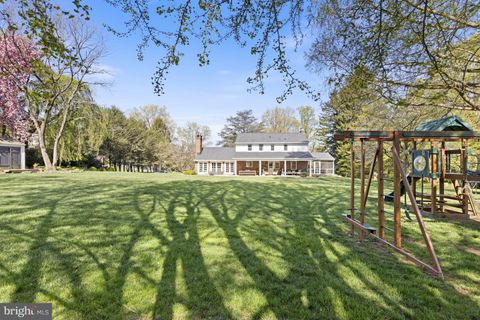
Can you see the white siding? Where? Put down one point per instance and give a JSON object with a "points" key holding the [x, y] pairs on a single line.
{"points": [[267, 148]]}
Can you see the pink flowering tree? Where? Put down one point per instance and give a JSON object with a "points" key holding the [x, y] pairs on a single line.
{"points": [[17, 56]]}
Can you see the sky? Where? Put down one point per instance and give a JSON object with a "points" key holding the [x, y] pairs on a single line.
{"points": [[207, 95]]}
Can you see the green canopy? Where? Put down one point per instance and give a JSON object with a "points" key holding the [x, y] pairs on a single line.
{"points": [[452, 123]]}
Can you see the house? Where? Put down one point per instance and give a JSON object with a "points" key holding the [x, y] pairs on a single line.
{"points": [[263, 154], [12, 154]]}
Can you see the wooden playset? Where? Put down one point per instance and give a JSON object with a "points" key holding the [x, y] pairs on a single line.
{"points": [[434, 162]]}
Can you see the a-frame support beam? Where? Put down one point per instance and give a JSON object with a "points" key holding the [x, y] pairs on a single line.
{"points": [[416, 210]]}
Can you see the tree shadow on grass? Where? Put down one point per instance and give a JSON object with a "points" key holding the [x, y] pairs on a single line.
{"points": [[284, 235]]}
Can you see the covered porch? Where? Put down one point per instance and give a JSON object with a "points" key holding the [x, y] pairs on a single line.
{"points": [[267, 167]]}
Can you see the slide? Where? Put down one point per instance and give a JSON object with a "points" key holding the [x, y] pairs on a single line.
{"points": [[389, 197]]}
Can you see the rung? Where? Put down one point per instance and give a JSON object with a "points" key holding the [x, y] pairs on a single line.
{"points": [[449, 197]]}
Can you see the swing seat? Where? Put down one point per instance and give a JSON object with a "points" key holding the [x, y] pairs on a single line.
{"points": [[370, 228]]}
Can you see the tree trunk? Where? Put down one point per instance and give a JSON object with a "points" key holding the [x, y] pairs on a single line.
{"points": [[43, 148]]}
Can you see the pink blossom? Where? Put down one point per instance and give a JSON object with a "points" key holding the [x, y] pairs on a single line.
{"points": [[16, 57]]}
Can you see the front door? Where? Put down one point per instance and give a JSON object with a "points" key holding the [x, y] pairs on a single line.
{"points": [[273, 167]]}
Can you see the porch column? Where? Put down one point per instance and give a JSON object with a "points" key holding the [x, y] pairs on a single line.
{"points": [[320, 167], [259, 167], [285, 167], [235, 168], [310, 167]]}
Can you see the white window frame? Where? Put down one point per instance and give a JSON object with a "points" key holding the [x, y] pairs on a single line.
{"points": [[272, 147], [249, 147], [285, 147], [260, 147], [248, 164]]}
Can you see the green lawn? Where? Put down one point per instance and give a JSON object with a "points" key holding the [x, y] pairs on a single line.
{"points": [[143, 246]]}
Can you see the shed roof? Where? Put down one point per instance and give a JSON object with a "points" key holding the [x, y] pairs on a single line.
{"points": [[6, 141], [271, 138], [452, 123], [216, 153], [322, 156]]}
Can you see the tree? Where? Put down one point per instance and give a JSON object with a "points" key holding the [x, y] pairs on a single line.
{"points": [[309, 124], [406, 44], [83, 135], [185, 146], [422, 47], [116, 144], [17, 58], [242, 122], [280, 120], [57, 84], [150, 113]]}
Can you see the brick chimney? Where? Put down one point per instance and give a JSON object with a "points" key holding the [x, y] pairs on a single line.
{"points": [[198, 144]]}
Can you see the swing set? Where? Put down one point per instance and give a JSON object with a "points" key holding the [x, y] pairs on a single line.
{"points": [[434, 164]]}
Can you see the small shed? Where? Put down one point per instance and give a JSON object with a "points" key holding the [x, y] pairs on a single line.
{"points": [[12, 154], [452, 123]]}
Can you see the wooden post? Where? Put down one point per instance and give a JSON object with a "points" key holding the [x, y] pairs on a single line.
{"points": [[464, 161], [352, 187], [414, 180], [397, 205], [381, 211], [442, 177], [433, 180], [362, 185]]}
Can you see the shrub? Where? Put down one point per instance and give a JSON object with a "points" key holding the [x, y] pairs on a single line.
{"points": [[189, 172], [303, 174], [92, 169]]}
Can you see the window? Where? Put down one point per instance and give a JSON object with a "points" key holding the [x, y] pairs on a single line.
{"points": [[202, 167], [229, 167], [4, 157], [285, 147], [272, 147], [293, 165], [249, 147], [216, 167], [260, 147], [249, 164]]}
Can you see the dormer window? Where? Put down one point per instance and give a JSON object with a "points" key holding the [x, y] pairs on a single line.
{"points": [[285, 147], [260, 147], [249, 147], [272, 147]]}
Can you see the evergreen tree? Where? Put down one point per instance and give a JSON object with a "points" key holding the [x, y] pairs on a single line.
{"points": [[242, 122]]}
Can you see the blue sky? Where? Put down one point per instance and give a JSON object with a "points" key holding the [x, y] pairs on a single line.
{"points": [[207, 95]]}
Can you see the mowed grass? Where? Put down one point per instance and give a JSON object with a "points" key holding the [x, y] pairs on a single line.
{"points": [[152, 246]]}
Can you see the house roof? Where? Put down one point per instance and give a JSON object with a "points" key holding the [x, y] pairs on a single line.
{"points": [[322, 156], [452, 123], [216, 153], [273, 156], [271, 138], [5, 141]]}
